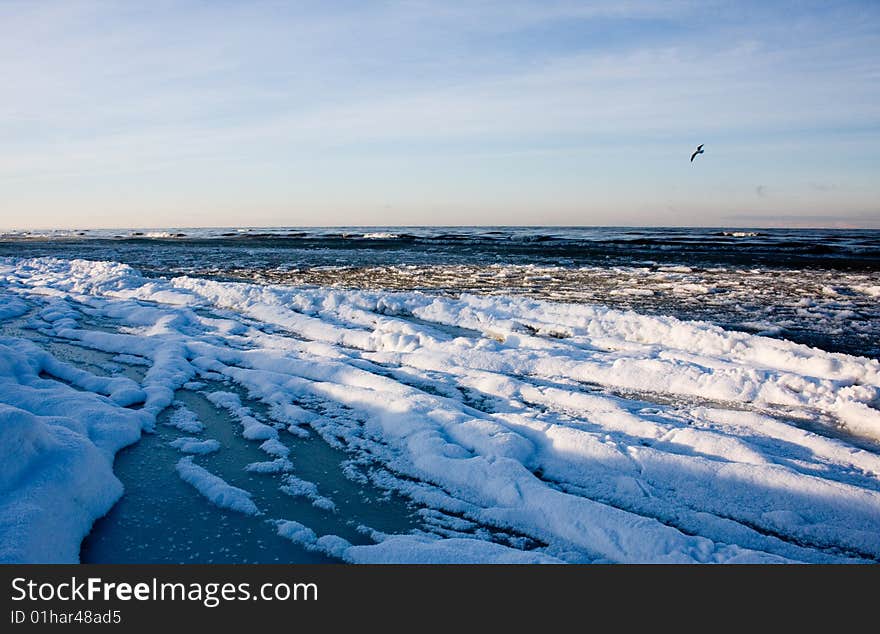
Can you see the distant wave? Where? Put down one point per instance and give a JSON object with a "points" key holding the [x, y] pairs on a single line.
{"points": [[158, 234], [740, 234], [570, 246]]}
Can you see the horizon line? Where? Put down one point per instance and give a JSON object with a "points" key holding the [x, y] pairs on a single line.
{"points": [[849, 227]]}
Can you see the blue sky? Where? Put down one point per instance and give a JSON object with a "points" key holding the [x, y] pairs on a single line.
{"points": [[222, 113]]}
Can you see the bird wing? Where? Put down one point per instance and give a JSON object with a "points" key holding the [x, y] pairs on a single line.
{"points": [[699, 147], [693, 155]]}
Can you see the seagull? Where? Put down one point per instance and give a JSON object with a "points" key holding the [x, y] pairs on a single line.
{"points": [[699, 151]]}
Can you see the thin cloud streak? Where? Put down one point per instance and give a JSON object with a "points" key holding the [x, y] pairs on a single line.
{"points": [[128, 95]]}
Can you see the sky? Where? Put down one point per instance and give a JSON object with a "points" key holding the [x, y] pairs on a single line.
{"points": [[259, 113]]}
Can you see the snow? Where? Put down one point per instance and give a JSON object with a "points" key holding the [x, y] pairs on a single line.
{"points": [[160, 234], [583, 433], [195, 445], [54, 482], [411, 549], [275, 447], [870, 290], [396, 549], [57, 442], [185, 420], [12, 307], [252, 428], [297, 487], [279, 465], [217, 490], [741, 234]]}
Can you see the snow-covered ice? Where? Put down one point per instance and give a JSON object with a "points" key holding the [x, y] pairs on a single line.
{"points": [[411, 548], [59, 431], [195, 445], [185, 420], [298, 487], [253, 429], [278, 465], [215, 488], [545, 431]]}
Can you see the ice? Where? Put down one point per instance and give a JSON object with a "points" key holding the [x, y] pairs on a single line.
{"points": [[790, 298], [160, 234], [195, 445], [185, 420], [297, 532], [413, 549], [275, 447], [215, 489], [130, 359], [57, 442], [54, 482], [550, 431], [252, 428], [740, 234], [279, 465], [870, 290], [396, 549], [297, 487], [12, 307]]}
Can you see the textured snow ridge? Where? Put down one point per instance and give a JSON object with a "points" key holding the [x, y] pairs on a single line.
{"points": [[582, 433], [57, 444], [216, 489]]}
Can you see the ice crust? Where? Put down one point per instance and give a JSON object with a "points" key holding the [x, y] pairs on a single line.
{"points": [[593, 434]]}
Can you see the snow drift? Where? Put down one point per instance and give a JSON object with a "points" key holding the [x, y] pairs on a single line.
{"points": [[582, 433]]}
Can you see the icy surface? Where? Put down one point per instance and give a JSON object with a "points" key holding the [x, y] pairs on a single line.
{"points": [[195, 446], [814, 286], [57, 443], [270, 466], [253, 429], [411, 549], [185, 420], [527, 430], [298, 487], [216, 489]]}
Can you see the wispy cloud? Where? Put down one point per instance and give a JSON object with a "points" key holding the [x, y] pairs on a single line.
{"points": [[127, 91]]}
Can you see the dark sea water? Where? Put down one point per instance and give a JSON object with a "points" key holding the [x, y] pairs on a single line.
{"points": [[815, 286], [366, 246]]}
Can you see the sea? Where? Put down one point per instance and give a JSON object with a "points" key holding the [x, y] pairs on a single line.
{"points": [[578, 434], [819, 287]]}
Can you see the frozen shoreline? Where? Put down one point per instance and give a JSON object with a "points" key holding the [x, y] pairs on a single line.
{"points": [[816, 287], [593, 434]]}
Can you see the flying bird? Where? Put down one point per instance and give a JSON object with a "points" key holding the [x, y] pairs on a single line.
{"points": [[699, 151]]}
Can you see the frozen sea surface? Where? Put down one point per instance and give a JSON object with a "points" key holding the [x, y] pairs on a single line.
{"points": [[818, 287], [215, 420]]}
